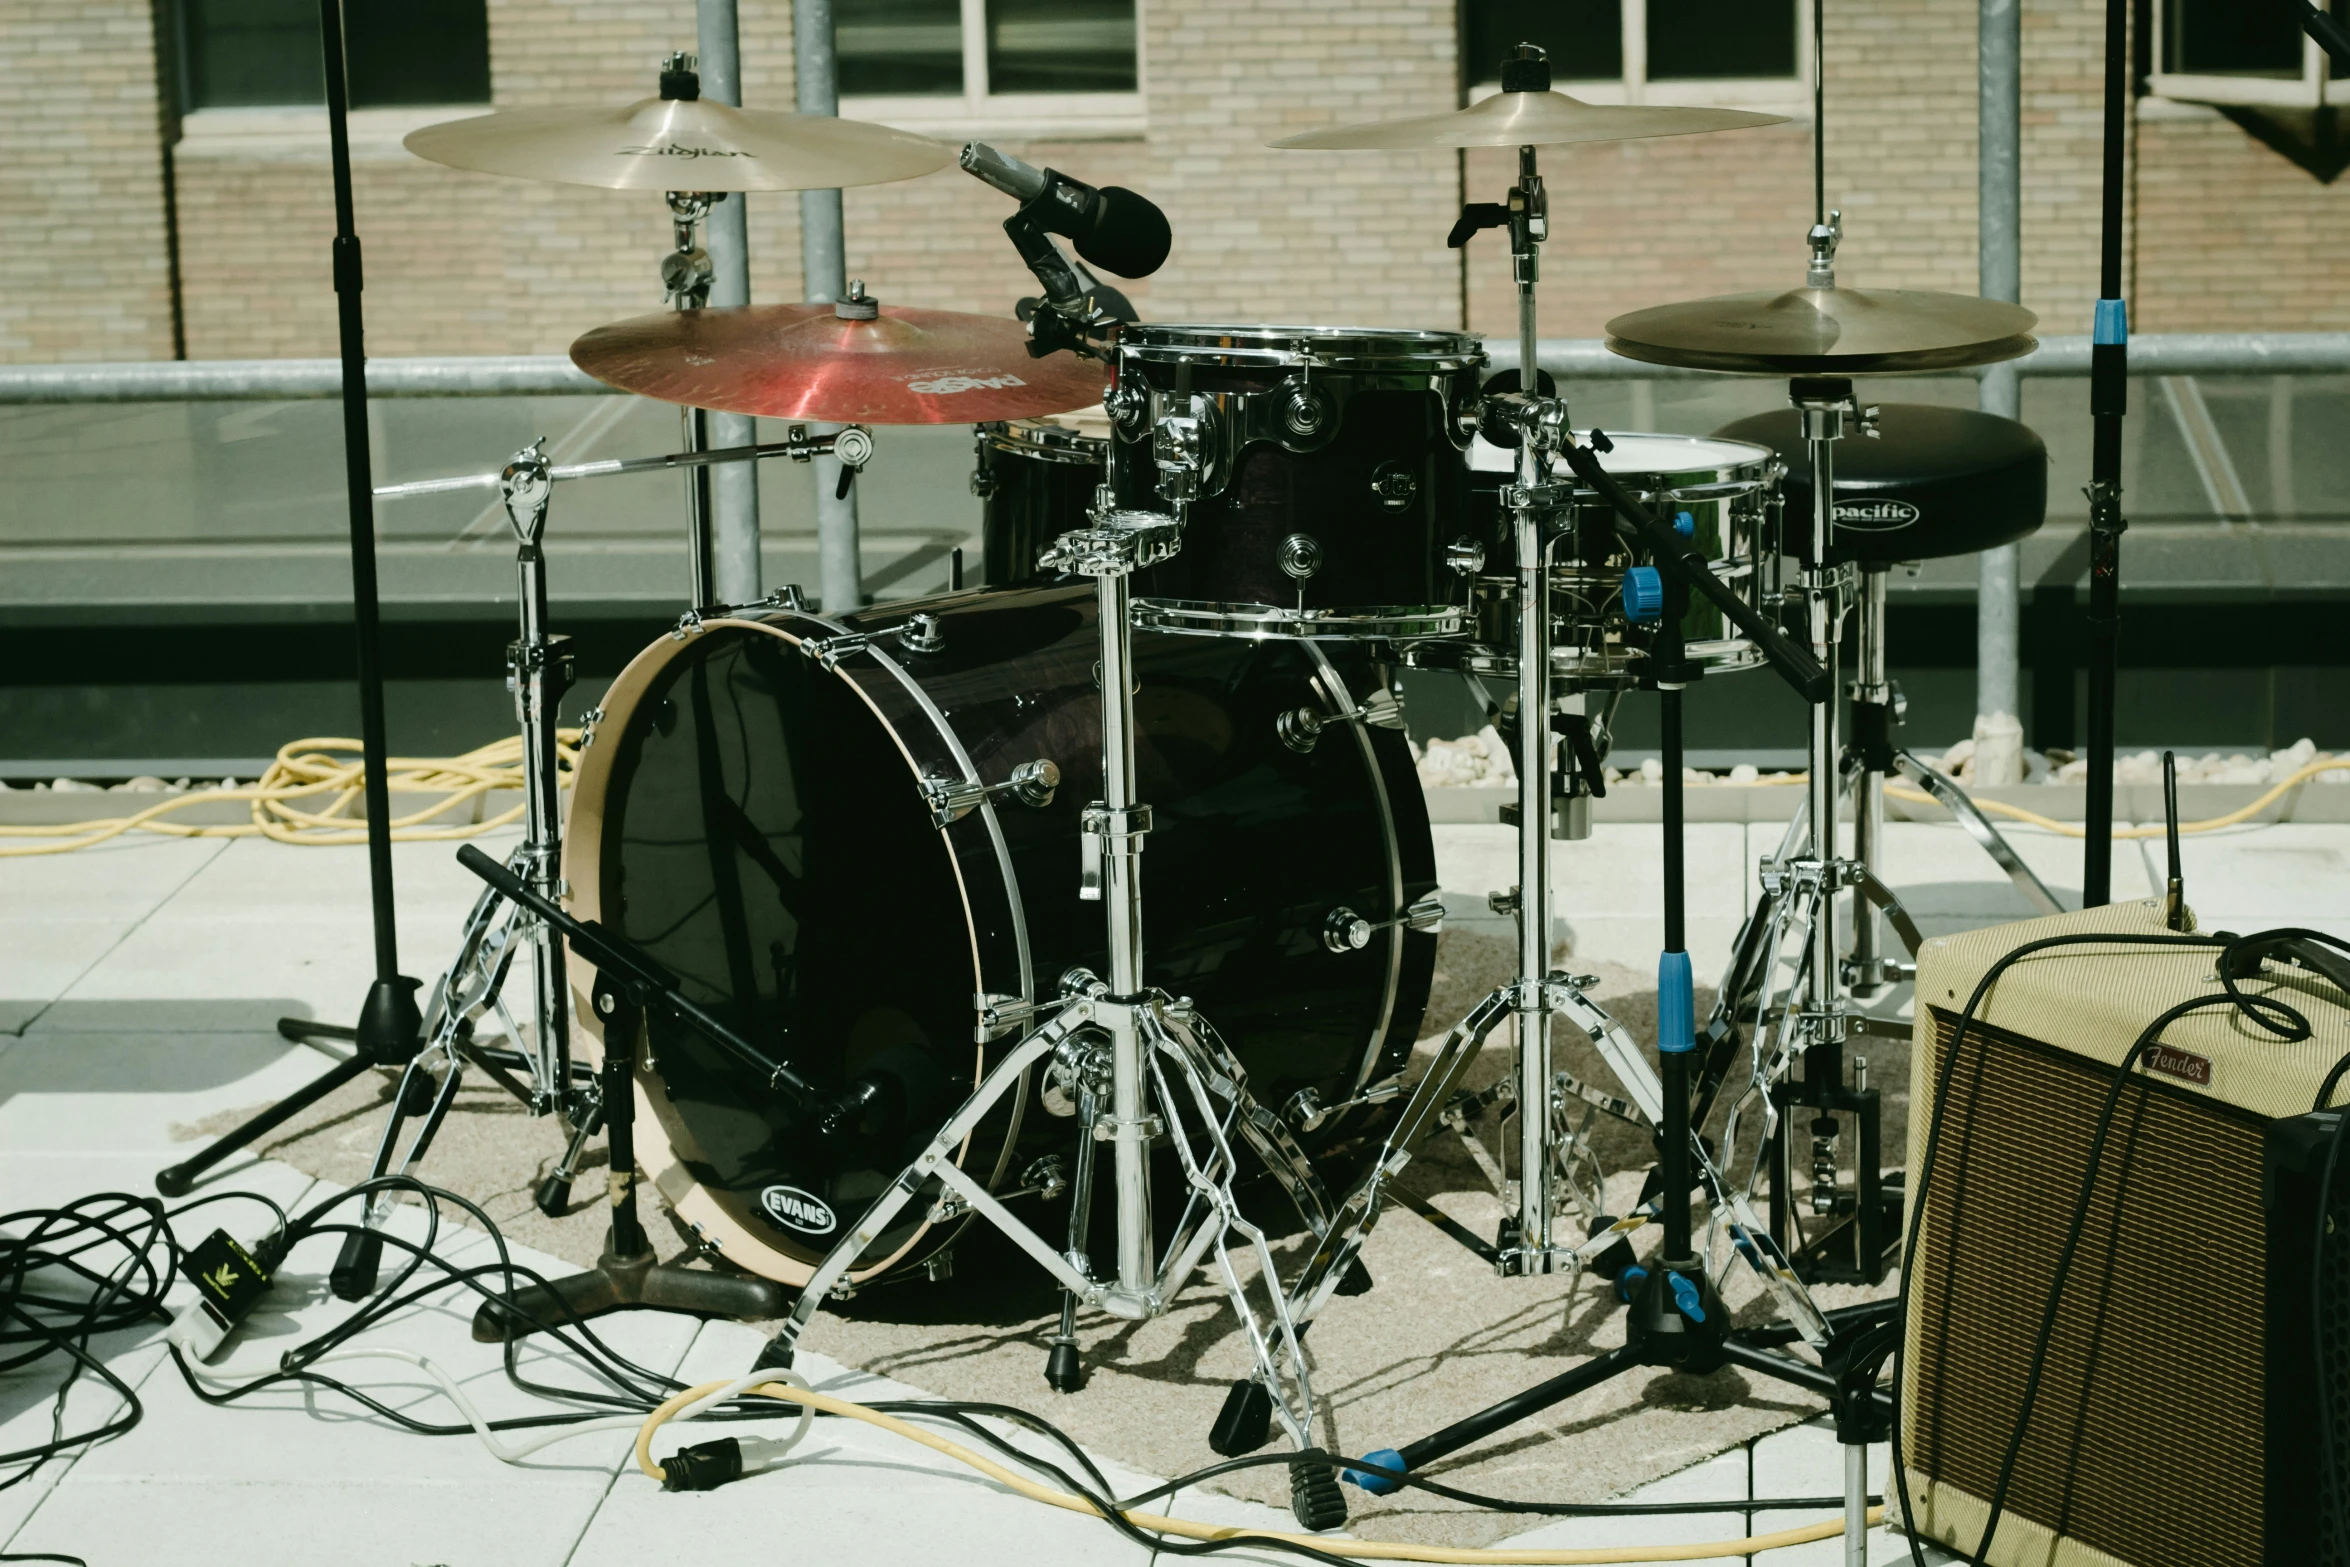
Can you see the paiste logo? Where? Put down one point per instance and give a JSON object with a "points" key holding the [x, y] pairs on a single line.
{"points": [[1875, 516], [948, 385], [797, 1210]]}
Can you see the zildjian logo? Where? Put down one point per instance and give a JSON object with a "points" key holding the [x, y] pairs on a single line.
{"points": [[673, 150]]}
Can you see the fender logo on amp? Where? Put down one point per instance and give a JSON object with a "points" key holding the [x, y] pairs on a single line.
{"points": [[1875, 516], [2184, 1065]]}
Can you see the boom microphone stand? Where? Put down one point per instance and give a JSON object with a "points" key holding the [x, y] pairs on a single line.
{"points": [[390, 1030]]}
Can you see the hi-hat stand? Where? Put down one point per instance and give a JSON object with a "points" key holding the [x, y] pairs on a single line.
{"points": [[1528, 1241], [1677, 1319], [1146, 1066]]}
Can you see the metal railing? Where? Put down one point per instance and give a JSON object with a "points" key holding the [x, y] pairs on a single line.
{"points": [[523, 375]]}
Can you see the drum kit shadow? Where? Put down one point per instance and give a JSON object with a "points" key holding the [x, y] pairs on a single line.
{"points": [[854, 895]]}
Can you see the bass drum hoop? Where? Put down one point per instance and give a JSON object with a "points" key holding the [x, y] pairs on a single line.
{"points": [[582, 863]]}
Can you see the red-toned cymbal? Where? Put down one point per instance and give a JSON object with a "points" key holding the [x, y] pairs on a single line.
{"points": [[900, 366]]}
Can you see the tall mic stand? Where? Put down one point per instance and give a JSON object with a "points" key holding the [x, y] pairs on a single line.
{"points": [[2109, 400], [390, 1030]]}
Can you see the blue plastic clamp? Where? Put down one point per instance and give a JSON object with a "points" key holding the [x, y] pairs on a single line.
{"points": [[1686, 1297], [1676, 1004], [1387, 1459], [1685, 524], [2112, 322], [1628, 1281], [1644, 595]]}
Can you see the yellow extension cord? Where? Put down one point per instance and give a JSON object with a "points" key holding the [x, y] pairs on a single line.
{"points": [[307, 795], [1361, 1550], [2075, 829], [307, 770]]}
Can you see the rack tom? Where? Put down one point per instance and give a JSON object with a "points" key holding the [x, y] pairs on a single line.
{"points": [[1035, 479], [1726, 488], [1317, 469]]}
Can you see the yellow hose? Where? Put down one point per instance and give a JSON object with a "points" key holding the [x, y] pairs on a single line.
{"points": [[307, 795], [1360, 1550], [2077, 830]]}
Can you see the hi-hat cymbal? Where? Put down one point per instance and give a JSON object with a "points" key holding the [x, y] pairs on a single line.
{"points": [[1528, 119], [680, 144], [1826, 331], [900, 366]]}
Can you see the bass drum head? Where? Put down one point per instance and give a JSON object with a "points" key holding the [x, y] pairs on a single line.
{"points": [[758, 835], [751, 816]]}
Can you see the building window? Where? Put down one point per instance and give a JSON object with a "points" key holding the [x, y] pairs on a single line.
{"points": [[242, 54], [1617, 51], [1050, 62], [2222, 51]]}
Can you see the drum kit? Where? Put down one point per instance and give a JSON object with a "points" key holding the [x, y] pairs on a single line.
{"points": [[855, 894]]}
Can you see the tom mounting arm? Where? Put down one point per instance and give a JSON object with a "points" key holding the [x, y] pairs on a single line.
{"points": [[1795, 665], [1070, 315]]}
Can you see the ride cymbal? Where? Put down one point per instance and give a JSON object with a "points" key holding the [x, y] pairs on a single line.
{"points": [[896, 366], [1527, 119], [1826, 331], [692, 144]]}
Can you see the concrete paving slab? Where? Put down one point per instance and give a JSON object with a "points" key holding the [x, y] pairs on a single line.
{"points": [[99, 1092], [1719, 1479]]}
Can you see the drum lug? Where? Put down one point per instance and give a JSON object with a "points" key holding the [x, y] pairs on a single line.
{"points": [[1343, 930], [829, 651], [921, 634], [1464, 557], [1300, 728], [1301, 556], [951, 799]]}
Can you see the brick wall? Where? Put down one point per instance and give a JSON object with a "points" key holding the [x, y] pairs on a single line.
{"points": [[468, 263], [2232, 237], [85, 268]]}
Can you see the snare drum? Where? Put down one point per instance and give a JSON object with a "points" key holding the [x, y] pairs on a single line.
{"points": [[1035, 478], [1318, 470], [1727, 489]]}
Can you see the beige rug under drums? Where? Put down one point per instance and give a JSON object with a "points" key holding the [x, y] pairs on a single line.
{"points": [[1438, 1338]]}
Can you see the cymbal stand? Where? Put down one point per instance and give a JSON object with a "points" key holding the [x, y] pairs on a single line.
{"points": [[1152, 1068], [686, 276]]}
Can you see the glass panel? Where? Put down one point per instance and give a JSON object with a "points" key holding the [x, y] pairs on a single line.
{"points": [[1692, 40], [899, 46], [1585, 38], [417, 51], [245, 53], [256, 53], [1044, 46], [2229, 38]]}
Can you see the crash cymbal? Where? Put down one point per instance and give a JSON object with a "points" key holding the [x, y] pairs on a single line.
{"points": [[1528, 119], [1826, 331], [898, 366], [692, 144]]}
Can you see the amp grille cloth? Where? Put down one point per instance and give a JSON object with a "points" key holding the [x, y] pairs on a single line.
{"points": [[2146, 1440]]}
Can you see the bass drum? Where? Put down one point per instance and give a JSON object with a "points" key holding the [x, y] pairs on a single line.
{"points": [[761, 810]]}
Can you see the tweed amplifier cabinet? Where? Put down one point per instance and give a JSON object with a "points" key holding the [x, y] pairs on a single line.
{"points": [[2176, 1424]]}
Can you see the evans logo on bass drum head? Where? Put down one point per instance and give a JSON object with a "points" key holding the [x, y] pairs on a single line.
{"points": [[797, 1210], [1875, 516]]}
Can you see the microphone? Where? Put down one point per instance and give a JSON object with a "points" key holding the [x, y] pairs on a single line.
{"points": [[1111, 227]]}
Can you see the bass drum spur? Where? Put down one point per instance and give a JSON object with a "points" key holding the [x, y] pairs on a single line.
{"points": [[835, 834]]}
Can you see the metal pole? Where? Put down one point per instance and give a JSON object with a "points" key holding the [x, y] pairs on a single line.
{"points": [[2109, 398], [389, 1023], [824, 276], [1535, 1176], [1999, 120], [734, 490]]}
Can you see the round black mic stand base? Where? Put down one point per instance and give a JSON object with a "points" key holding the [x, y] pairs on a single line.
{"points": [[627, 1273]]}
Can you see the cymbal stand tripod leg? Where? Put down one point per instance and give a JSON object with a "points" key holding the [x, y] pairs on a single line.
{"points": [[1161, 1069]]}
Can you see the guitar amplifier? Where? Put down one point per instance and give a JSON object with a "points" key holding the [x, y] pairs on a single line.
{"points": [[2176, 1423]]}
